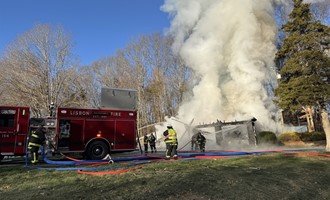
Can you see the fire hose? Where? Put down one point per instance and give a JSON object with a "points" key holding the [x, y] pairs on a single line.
{"points": [[93, 168]]}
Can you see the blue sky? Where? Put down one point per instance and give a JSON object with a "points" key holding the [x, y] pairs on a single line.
{"points": [[98, 27]]}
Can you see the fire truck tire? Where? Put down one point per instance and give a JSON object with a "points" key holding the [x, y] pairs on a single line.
{"points": [[97, 150]]}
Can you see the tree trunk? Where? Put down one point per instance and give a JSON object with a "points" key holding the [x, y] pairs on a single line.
{"points": [[326, 127]]}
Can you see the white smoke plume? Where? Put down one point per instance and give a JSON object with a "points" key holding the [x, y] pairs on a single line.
{"points": [[230, 44]]}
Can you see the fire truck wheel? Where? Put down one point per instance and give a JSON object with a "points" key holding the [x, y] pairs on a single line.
{"points": [[97, 150]]}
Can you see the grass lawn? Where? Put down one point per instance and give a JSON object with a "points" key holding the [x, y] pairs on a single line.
{"points": [[266, 176]]}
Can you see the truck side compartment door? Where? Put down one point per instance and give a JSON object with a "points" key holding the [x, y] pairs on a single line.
{"points": [[125, 137], [22, 130]]}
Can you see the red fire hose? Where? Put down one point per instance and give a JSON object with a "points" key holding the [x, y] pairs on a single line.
{"points": [[109, 172]]}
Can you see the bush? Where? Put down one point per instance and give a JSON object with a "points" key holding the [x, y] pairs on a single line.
{"points": [[266, 137], [305, 137], [289, 137], [312, 136]]}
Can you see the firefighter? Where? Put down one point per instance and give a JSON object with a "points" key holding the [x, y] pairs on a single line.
{"points": [[36, 140], [194, 142], [201, 141], [171, 142], [152, 142], [146, 143], [51, 109]]}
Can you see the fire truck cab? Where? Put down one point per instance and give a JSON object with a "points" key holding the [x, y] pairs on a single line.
{"points": [[14, 127]]}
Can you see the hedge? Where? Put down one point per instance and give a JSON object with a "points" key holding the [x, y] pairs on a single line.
{"points": [[305, 137]]}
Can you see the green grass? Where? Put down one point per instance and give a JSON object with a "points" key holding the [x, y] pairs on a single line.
{"points": [[267, 176]]}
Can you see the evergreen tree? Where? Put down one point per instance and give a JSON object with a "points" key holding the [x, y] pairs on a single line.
{"points": [[305, 65]]}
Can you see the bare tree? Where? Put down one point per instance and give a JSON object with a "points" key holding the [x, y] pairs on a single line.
{"points": [[92, 88], [148, 66], [161, 77], [168, 78], [38, 68], [321, 12], [113, 72]]}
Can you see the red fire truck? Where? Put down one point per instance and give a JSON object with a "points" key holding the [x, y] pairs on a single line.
{"points": [[94, 132]]}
